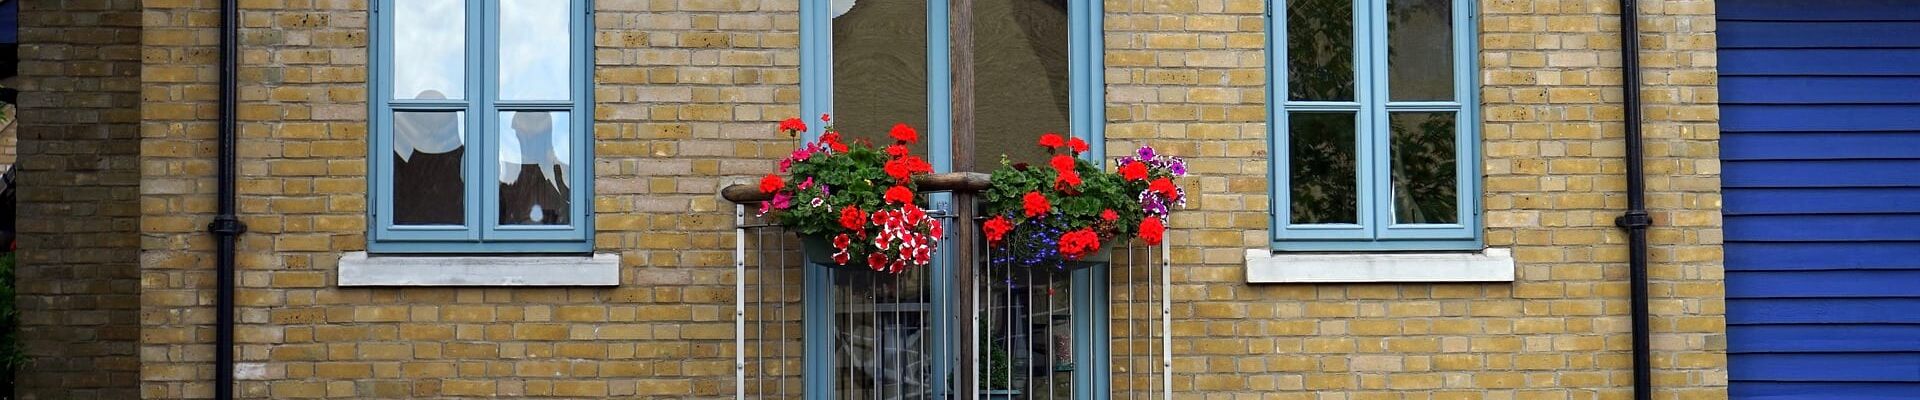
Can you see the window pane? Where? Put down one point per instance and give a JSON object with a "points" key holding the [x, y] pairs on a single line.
{"points": [[1420, 50], [1020, 78], [535, 50], [428, 187], [1425, 184], [535, 152], [1321, 168], [1320, 50], [880, 69], [429, 49]]}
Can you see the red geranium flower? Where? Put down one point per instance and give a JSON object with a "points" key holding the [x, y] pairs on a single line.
{"points": [[1165, 187], [899, 194], [1068, 178], [1078, 146], [1079, 243], [1062, 163], [771, 183], [826, 118], [1035, 204], [897, 151], [1109, 215], [898, 169], [832, 139], [996, 229], [792, 126], [1152, 230], [1134, 171], [1052, 141], [904, 133], [852, 218]]}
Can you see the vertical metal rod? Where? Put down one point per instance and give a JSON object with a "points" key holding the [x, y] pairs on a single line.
{"points": [[1006, 280], [740, 301], [782, 344], [1132, 357], [1052, 353], [1166, 320], [873, 329], [1153, 352], [1026, 327], [760, 315], [847, 331]]}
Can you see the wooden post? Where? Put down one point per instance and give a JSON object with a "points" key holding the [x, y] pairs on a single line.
{"points": [[966, 245]]}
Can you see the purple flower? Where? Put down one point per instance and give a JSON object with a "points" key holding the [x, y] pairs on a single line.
{"points": [[1146, 152]]}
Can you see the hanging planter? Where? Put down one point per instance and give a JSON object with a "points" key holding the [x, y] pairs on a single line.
{"points": [[854, 206], [1070, 214]]}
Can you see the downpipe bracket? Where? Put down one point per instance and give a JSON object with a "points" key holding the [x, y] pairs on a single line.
{"points": [[1636, 219], [226, 225]]}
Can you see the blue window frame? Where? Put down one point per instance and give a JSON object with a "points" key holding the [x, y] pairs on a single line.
{"points": [[480, 123], [1374, 125]]}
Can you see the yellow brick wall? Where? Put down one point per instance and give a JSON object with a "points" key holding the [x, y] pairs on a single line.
{"points": [[76, 281], [687, 91]]}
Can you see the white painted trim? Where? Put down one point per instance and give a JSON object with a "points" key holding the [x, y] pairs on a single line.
{"points": [[1490, 265], [359, 269]]}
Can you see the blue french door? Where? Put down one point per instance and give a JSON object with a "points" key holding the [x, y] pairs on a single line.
{"points": [[871, 64]]}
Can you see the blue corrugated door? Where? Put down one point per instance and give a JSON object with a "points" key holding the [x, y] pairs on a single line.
{"points": [[1821, 148]]}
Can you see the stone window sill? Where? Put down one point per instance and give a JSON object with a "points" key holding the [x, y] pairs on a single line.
{"points": [[358, 269], [1490, 265]]}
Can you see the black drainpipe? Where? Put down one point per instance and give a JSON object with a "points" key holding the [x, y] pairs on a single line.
{"points": [[226, 227], [1636, 220]]}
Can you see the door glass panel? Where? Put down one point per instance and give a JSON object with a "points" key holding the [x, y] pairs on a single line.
{"points": [[880, 70], [1425, 182], [536, 152], [429, 49], [428, 185], [1020, 78], [1320, 50], [1321, 167], [883, 335], [1420, 50], [535, 50]]}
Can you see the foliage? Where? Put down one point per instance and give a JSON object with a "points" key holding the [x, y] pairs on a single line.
{"points": [[1045, 216], [861, 198], [13, 355]]}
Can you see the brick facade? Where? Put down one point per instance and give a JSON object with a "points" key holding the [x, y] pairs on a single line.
{"points": [[686, 92], [79, 211]]}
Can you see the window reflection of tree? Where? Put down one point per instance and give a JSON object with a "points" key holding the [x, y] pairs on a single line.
{"points": [[1424, 169]]}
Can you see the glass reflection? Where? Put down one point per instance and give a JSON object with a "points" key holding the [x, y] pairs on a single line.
{"points": [[535, 50], [535, 153], [1420, 50], [1020, 78], [1319, 50], [880, 69], [1321, 168], [1424, 176], [428, 186], [429, 48]]}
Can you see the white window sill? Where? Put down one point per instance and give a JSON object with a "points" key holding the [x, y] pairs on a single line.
{"points": [[359, 269], [1490, 265]]}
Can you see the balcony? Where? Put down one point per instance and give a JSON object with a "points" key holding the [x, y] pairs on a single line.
{"points": [[974, 325]]}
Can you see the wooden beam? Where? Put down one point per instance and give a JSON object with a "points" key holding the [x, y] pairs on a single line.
{"points": [[958, 182]]}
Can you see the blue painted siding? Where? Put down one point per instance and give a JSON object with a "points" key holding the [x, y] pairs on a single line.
{"points": [[1821, 155]]}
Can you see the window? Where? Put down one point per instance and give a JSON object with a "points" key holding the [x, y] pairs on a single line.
{"points": [[480, 127], [1374, 128]]}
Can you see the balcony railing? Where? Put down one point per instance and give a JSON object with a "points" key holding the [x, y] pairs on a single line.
{"points": [[972, 326]]}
